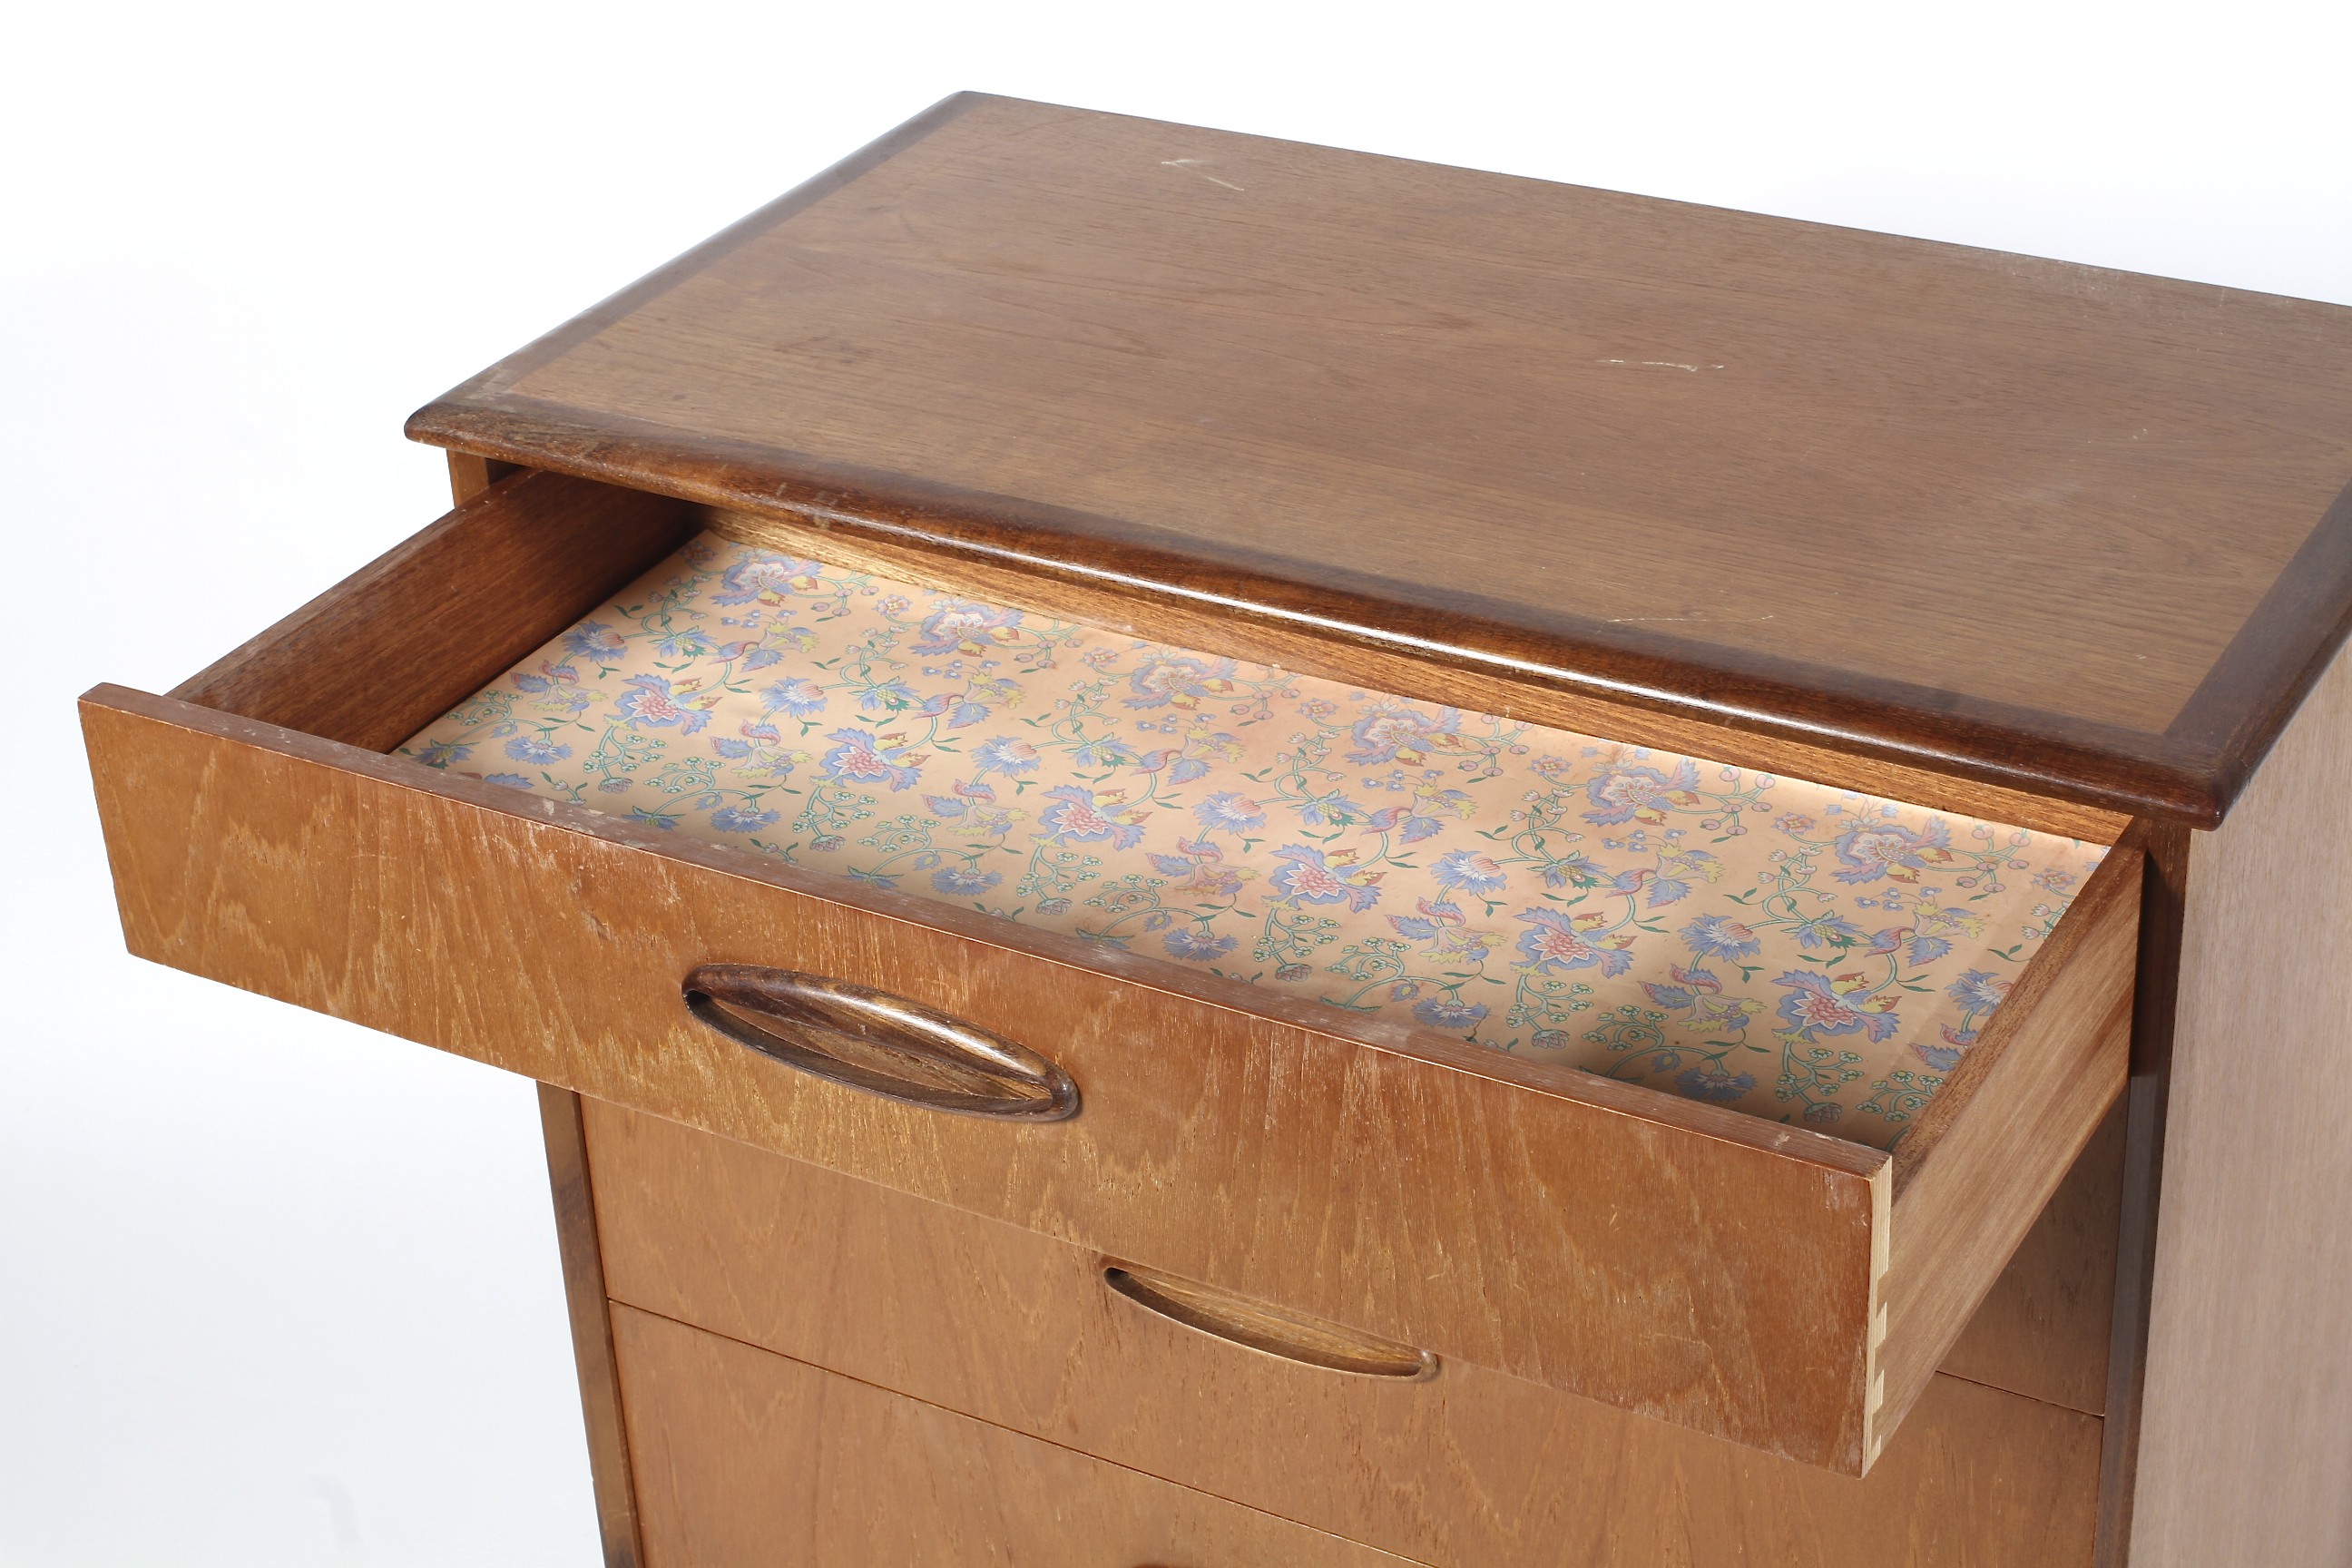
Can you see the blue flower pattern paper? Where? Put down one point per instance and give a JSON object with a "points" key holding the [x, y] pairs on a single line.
{"points": [[1782, 948]]}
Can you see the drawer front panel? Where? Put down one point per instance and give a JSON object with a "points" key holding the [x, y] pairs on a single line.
{"points": [[1468, 1470], [1673, 1259], [747, 1459]]}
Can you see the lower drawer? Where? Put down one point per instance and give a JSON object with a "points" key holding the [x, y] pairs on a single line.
{"points": [[744, 1458], [1469, 1468]]}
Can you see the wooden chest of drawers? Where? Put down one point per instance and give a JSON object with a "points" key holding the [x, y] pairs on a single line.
{"points": [[1708, 655]]}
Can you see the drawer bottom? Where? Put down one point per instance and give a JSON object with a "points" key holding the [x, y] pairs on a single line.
{"points": [[747, 1458]]}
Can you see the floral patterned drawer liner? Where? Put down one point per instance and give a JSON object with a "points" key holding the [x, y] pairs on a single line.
{"points": [[1786, 949]]}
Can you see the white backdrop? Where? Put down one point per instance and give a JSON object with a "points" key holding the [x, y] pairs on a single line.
{"points": [[276, 1291]]}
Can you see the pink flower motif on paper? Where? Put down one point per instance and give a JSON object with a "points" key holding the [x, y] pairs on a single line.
{"points": [[1227, 812], [859, 758], [768, 577], [1889, 849], [1557, 943], [1178, 681], [1078, 816], [1817, 1006], [653, 702], [1630, 793], [1314, 876], [1401, 735], [1469, 871], [958, 626]]}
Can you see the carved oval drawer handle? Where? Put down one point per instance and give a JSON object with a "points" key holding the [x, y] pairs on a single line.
{"points": [[1263, 1326], [885, 1045]]}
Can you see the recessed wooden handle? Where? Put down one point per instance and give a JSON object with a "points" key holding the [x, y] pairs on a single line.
{"points": [[1264, 1326], [884, 1045]]}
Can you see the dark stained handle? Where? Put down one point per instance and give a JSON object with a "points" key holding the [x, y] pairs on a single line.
{"points": [[884, 1045], [1262, 1326]]}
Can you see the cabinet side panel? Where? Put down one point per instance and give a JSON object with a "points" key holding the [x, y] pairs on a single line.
{"points": [[2245, 1444], [592, 1324]]}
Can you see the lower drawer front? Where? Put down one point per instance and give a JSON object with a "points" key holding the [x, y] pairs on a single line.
{"points": [[744, 1458], [1470, 1469]]}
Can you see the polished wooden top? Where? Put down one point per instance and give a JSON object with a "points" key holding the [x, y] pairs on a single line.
{"points": [[2074, 530]]}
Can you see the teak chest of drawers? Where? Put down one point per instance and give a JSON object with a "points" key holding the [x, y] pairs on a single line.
{"points": [[938, 1186]]}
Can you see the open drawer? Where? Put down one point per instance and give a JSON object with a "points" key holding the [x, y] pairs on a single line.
{"points": [[1762, 1282]]}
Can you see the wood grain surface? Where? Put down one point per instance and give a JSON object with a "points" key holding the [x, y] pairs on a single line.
{"points": [[1470, 1469], [589, 1307], [2042, 1329], [753, 1461], [2245, 1436], [1674, 1257], [1310, 649], [401, 641], [1947, 507], [470, 475], [2164, 883]]}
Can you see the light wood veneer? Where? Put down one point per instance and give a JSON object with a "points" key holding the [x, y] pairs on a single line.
{"points": [[1468, 1470], [751, 1460], [2245, 1432]]}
